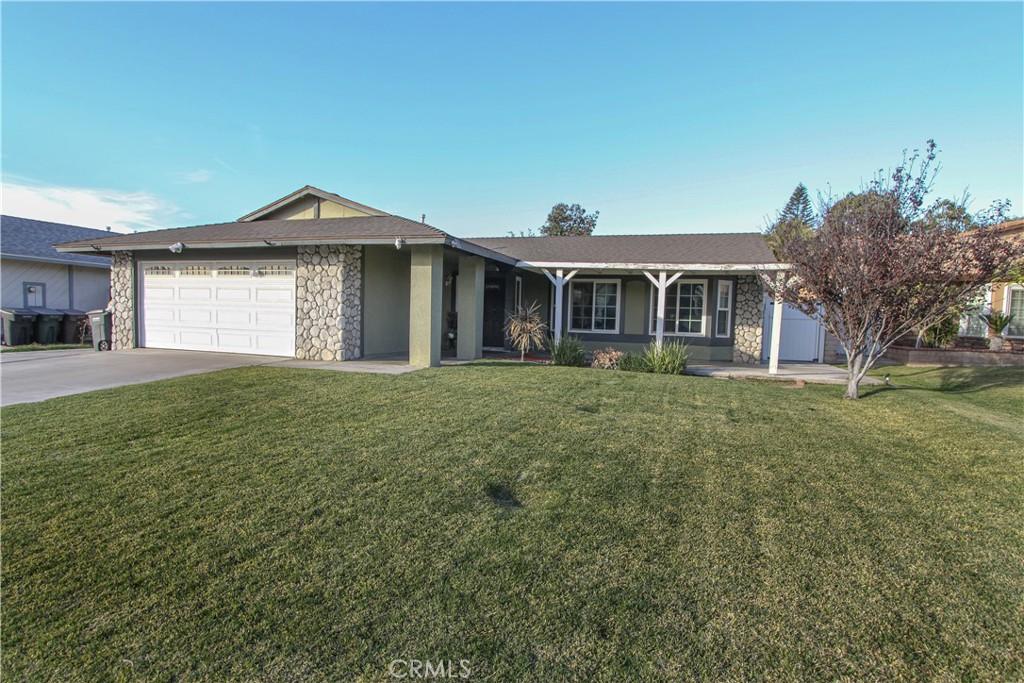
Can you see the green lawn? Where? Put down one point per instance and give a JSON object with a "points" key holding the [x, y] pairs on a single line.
{"points": [[266, 524]]}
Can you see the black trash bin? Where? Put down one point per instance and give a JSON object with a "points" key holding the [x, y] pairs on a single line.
{"points": [[71, 331], [17, 326], [99, 321], [48, 322]]}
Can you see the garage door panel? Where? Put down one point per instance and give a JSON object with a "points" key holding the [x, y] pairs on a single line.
{"points": [[195, 294], [273, 296], [195, 315], [233, 294], [185, 306]]}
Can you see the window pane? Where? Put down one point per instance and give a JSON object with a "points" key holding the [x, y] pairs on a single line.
{"points": [[691, 308], [972, 325], [582, 306], [722, 324], [1016, 326]]}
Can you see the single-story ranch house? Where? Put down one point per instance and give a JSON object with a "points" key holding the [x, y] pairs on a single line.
{"points": [[317, 276]]}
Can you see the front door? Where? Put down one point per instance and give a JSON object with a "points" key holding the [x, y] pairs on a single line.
{"points": [[494, 312]]}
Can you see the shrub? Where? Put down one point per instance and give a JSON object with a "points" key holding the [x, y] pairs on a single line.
{"points": [[525, 329], [567, 351], [667, 359], [631, 362], [606, 359]]}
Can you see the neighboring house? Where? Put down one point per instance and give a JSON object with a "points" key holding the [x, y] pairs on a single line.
{"points": [[36, 274], [315, 275], [1006, 297]]}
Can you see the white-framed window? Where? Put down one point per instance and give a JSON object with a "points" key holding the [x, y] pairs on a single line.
{"points": [[234, 271], [723, 309], [1013, 304], [275, 270], [971, 324], [594, 306], [685, 305], [195, 271], [519, 292], [159, 271]]}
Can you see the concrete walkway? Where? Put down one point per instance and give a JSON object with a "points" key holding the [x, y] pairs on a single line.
{"points": [[815, 373]]}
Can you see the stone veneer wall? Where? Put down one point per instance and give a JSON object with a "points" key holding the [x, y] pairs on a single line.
{"points": [[749, 320], [122, 297], [328, 295]]}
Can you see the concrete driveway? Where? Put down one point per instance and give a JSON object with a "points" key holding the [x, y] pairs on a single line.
{"points": [[30, 376]]}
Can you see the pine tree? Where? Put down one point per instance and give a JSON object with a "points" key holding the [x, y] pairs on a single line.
{"points": [[794, 222], [798, 208]]}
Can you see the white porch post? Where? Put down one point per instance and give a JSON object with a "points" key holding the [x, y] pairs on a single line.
{"points": [[558, 280], [661, 284], [773, 352]]}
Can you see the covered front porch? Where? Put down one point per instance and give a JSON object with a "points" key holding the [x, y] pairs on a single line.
{"points": [[717, 310]]}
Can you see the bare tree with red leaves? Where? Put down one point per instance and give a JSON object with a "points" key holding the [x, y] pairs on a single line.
{"points": [[882, 264]]}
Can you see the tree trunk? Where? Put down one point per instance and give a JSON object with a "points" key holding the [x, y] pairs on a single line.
{"points": [[853, 377]]}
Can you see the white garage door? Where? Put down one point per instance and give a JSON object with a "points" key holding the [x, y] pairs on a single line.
{"points": [[232, 306], [802, 337]]}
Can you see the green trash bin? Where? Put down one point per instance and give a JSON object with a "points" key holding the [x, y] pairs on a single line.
{"points": [[71, 331], [99, 321], [48, 322], [17, 326]]}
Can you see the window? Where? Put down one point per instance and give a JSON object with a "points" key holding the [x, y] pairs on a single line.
{"points": [[684, 308], [159, 271], [519, 292], [971, 324], [1015, 306], [277, 270], [233, 271], [195, 271], [723, 311], [594, 306]]}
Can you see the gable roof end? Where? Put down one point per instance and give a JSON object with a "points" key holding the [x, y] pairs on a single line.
{"points": [[310, 191]]}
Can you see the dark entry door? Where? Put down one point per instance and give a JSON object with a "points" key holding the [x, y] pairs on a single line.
{"points": [[494, 312]]}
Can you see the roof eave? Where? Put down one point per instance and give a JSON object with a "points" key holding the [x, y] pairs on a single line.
{"points": [[242, 244], [631, 266], [55, 261]]}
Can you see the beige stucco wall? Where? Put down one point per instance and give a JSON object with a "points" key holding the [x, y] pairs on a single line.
{"points": [[385, 301], [335, 210], [305, 207], [635, 300], [426, 287]]}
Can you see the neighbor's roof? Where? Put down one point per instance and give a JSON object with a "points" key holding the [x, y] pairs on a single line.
{"points": [[31, 240], [711, 249]]}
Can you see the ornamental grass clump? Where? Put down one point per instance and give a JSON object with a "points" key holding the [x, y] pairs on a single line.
{"points": [[668, 358], [526, 329], [631, 362], [567, 351], [606, 359]]}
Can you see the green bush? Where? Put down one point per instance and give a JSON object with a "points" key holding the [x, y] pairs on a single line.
{"points": [[667, 359], [567, 351], [631, 362]]}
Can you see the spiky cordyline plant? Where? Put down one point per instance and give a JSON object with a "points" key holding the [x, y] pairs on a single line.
{"points": [[997, 322], [526, 329]]}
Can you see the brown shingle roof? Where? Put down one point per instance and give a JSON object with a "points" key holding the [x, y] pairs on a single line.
{"points": [[720, 248], [258, 232]]}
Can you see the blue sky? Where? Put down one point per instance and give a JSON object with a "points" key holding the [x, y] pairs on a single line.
{"points": [[665, 117]]}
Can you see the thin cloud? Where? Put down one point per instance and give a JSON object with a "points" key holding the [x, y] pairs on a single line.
{"points": [[200, 175], [86, 206]]}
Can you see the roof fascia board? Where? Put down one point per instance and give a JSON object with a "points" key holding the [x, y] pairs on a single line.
{"points": [[369, 241], [56, 261], [477, 250], [711, 267]]}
